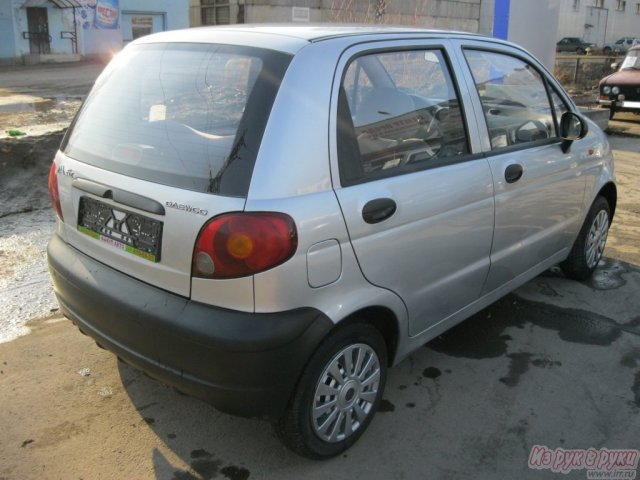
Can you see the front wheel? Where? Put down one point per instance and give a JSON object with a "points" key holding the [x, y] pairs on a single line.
{"points": [[338, 393], [589, 246]]}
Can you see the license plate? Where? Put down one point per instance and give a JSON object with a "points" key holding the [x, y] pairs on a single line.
{"points": [[128, 231]]}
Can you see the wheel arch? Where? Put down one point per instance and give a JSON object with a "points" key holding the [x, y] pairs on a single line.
{"points": [[610, 193], [384, 320]]}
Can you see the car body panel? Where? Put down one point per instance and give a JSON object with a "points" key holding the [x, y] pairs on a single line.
{"points": [[537, 216]]}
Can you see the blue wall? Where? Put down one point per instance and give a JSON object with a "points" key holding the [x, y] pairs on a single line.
{"points": [[7, 36], [13, 21]]}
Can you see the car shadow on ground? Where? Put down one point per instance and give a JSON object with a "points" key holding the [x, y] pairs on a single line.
{"points": [[500, 373]]}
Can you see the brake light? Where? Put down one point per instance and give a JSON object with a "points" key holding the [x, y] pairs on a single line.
{"points": [[53, 189], [241, 244]]}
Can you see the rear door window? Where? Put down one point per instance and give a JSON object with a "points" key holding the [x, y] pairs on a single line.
{"points": [[184, 115], [399, 112]]}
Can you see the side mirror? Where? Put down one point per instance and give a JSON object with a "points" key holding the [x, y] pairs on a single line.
{"points": [[572, 127]]}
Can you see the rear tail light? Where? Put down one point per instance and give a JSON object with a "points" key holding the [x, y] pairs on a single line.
{"points": [[53, 189], [241, 244]]}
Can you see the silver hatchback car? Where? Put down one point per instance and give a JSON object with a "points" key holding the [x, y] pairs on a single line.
{"points": [[269, 217]]}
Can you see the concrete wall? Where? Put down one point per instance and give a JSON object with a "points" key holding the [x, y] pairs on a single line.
{"points": [[486, 17], [463, 15]]}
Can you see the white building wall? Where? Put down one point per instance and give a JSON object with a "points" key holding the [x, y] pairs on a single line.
{"points": [[599, 25], [532, 25]]}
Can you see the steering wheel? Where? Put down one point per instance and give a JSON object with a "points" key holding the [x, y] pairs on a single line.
{"points": [[430, 134]]}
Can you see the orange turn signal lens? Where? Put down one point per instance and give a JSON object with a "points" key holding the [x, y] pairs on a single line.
{"points": [[240, 246]]}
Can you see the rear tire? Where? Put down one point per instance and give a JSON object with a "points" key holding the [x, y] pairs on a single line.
{"points": [[589, 246], [606, 51], [338, 393]]}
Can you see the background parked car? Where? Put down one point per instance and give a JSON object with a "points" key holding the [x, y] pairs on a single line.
{"points": [[574, 45], [620, 46], [620, 91]]}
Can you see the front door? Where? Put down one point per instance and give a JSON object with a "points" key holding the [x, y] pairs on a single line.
{"points": [[417, 204], [38, 22], [539, 189]]}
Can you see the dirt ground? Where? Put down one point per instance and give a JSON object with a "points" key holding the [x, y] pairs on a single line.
{"points": [[624, 237], [556, 363]]}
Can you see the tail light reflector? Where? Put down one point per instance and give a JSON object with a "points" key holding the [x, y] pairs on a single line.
{"points": [[241, 244], [53, 189]]}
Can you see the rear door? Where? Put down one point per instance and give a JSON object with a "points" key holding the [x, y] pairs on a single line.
{"points": [[417, 202], [165, 141], [539, 189]]}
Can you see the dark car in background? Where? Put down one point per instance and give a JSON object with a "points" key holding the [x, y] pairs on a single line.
{"points": [[620, 91], [573, 45]]}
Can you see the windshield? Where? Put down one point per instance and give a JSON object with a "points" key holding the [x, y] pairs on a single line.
{"points": [[185, 115], [631, 61]]}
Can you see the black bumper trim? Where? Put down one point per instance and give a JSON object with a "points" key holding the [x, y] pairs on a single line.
{"points": [[243, 363]]}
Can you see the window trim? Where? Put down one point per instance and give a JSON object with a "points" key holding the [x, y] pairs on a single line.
{"points": [[548, 87], [404, 169]]}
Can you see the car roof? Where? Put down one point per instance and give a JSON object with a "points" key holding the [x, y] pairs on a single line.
{"points": [[292, 37]]}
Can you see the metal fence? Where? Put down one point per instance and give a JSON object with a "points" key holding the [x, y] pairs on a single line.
{"points": [[583, 72]]}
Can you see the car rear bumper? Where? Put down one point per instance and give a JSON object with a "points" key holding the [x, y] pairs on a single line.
{"points": [[243, 363]]}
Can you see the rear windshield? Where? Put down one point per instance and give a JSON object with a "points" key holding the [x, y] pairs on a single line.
{"points": [[186, 115]]}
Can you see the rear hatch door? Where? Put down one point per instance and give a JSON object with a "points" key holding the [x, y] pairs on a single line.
{"points": [[165, 141]]}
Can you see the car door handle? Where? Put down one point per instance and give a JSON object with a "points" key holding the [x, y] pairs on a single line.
{"points": [[513, 173], [378, 210]]}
